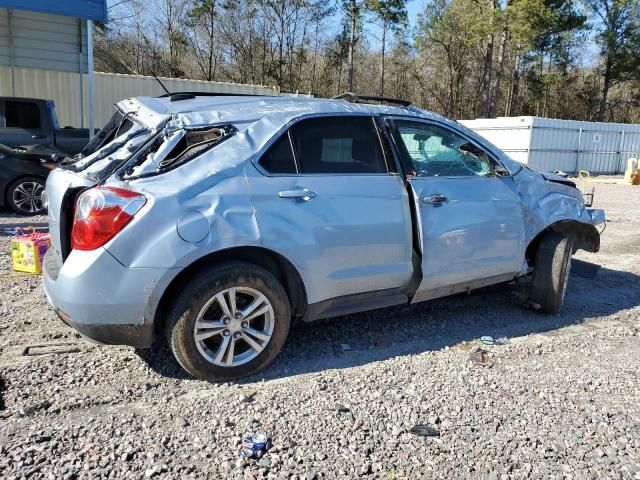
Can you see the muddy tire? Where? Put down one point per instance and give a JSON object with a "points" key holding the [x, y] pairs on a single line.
{"points": [[551, 272], [231, 320]]}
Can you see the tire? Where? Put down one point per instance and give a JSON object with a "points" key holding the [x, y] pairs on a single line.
{"points": [[199, 310], [551, 272], [24, 196]]}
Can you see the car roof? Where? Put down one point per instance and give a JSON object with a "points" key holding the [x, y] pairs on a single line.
{"points": [[230, 108], [265, 115]]}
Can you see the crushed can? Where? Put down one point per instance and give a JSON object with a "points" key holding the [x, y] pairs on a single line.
{"points": [[255, 445], [28, 250]]}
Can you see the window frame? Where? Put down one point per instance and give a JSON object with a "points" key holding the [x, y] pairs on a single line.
{"points": [[405, 159], [37, 107], [286, 130]]}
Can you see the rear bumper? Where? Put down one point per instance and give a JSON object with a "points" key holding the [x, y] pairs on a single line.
{"points": [[102, 299]]}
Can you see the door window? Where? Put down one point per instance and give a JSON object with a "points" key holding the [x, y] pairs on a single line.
{"points": [[22, 115], [439, 152], [338, 145], [279, 158]]}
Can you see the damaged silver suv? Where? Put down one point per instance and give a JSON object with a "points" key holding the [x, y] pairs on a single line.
{"points": [[215, 222]]}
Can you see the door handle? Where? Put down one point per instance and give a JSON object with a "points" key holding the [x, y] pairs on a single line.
{"points": [[298, 194], [435, 199], [38, 137]]}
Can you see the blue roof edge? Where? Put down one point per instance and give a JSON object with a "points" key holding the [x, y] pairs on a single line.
{"points": [[89, 9]]}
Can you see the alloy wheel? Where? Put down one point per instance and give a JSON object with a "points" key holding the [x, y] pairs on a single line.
{"points": [[27, 197], [234, 326]]}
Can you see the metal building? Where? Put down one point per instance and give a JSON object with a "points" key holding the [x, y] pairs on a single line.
{"points": [[567, 145], [45, 35]]}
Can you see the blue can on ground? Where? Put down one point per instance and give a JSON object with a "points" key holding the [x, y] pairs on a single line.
{"points": [[255, 445]]}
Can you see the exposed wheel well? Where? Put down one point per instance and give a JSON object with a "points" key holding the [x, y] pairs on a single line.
{"points": [[584, 236], [273, 262]]}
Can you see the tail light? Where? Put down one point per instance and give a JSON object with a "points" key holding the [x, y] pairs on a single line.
{"points": [[101, 213]]}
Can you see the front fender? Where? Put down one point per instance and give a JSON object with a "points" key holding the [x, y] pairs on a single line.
{"points": [[549, 205]]}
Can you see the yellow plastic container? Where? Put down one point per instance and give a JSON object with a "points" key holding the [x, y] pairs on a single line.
{"points": [[28, 250]]}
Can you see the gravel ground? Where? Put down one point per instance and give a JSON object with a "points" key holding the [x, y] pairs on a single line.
{"points": [[561, 400]]}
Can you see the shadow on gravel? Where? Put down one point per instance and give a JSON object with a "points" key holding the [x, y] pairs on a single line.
{"points": [[354, 340], [161, 360], [3, 387]]}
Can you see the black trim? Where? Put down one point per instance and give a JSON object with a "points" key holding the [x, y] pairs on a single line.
{"points": [[208, 94], [139, 336], [358, 98], [67, 211], [358, 302]]}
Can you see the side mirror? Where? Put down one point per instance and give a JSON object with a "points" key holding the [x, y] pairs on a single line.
{"points": [[471, 148], [500, 171]]}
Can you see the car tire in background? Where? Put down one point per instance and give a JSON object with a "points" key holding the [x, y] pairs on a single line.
{"points": [[551, 271], [229, 321], [24, 196]]}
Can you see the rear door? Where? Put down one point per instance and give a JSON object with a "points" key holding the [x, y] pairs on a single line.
{"points": [[24, 123], [326, 200], [470, 218]]}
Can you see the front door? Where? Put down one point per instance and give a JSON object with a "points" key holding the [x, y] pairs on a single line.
{"points": [[471, 229]]}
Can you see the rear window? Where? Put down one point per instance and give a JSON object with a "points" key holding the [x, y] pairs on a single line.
{"points": [[174, 148], [116, 126], [22, 115]]}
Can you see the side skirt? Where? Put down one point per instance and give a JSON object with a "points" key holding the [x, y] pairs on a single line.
{"points": [[358, 302], [462, 287]]}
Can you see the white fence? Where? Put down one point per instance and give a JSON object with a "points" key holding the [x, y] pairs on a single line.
{"points": [[72, 108], [567, 145]]}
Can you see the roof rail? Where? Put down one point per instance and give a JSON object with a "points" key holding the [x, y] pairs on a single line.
{"points": [[357, 98], [177, 96]]}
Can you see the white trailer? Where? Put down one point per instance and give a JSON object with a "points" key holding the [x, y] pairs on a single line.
{"points": [[568, 145]]}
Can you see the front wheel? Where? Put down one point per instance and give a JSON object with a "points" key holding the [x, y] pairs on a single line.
{"points": [[230, 321], [551, 272]]}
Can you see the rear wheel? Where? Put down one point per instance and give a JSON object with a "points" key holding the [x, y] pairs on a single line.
{"points": [[230, 321], [24, 196], [551, 272]]}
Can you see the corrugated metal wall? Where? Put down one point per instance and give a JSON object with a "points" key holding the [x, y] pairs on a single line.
{"points": [[566, 145], [42, 41], [511, 134], [64, 87]]}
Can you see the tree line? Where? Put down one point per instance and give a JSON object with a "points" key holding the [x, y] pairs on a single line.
{"points": [[573, 59]]}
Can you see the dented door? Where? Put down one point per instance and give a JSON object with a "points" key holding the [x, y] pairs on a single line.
{"points": [[469, 214]]}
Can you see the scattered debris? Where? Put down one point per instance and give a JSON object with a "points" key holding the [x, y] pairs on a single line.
{"points": [[422, 430], [255, 445], [248, 395], [50, 348], [341, 408], [481, 357], [464, 346], [489, 340], [503, 392]]}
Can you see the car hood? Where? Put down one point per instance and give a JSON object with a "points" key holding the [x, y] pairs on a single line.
{"points": [[552, 177]]}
